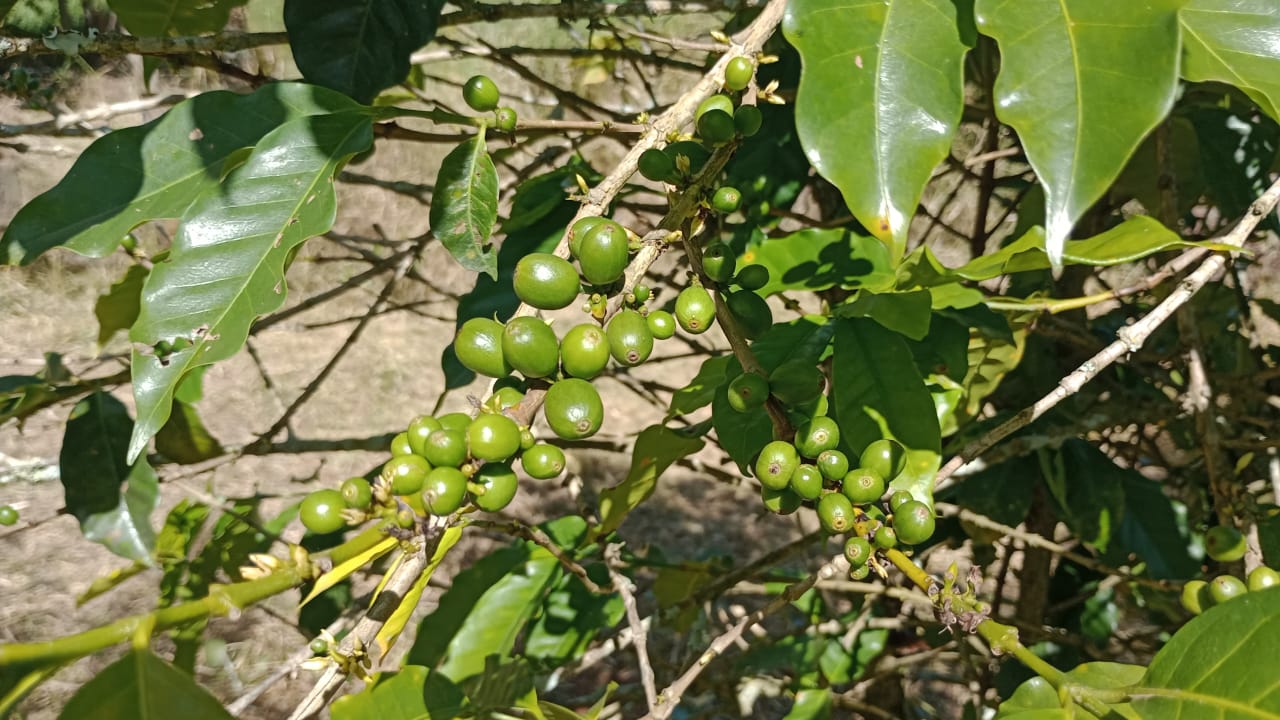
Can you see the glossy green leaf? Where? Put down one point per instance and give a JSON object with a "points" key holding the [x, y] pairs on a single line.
{"points": [[465, 206], [173, 17], [811, 705], [112, 500], [184, 438], [808, 339], [701, 390], [228, 259], [413, 693], [656, 448], [141, 686], [1217, 665], [1082, 82], [499, 616], [571, 618], [906, 313], [1131, 240], [358, 47], [155, 171], [741, 435], [489, 603], [880, 97], [117, 308], [878, 392], [1036, 699], [820, 259], [1236, 42]]}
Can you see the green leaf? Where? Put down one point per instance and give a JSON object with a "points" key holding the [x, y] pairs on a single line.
{"points": [[358, 47], [1001, 492], [1149, 530], [499, 615], [1036, 699], [571, 618], [117, 308], [906, 313], [1234, 41], [1214, 667], [1131, 240], [811, 705], [413, 693], [701, 390], [173, 17], [155, 171], [1237, 150], [1082, 82], [1088, 488], [112, 500], [808, 338], [228, 259], [880, 97], [184, 439], [141, 686], [741, 435], [541, 195], [465, 206], [489, 603], [656, 448], [820, 259], [877, 392]]}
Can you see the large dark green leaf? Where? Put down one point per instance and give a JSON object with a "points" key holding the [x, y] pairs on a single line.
{"points": [[1237, 151], [571, 618], [879, 99], [228, 259], [1088, 488], [117, 308], [154, 171], [1216, 666], [1082, 81], [173, 17], [1149, 530], [1235, 42], [112, 500], [465, 206], [905, 313], [358, 47], [184, 437], [141, 686], [878, 392], [413, 693], [655, 449]]}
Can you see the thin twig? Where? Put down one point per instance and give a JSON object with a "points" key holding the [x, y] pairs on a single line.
{"points": [[670, 697], [1129, 339], [639, 635], [542, 540]]}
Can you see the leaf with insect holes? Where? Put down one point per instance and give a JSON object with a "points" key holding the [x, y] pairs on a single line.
{"points": [[228, 259], [465, 206]]}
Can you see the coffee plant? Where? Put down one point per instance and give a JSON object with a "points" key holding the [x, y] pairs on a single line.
{"points": [[977, 297]]}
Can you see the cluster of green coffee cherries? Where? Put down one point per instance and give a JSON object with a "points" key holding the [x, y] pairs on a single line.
{"points": [[438, 466], [1225, 544], [481, 94], [811, 470]]}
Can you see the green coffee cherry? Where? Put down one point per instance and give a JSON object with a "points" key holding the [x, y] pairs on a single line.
{"points": [[835, 513], [695, 310], [777, 461], [747, 392], [857, 551], [817, 436], [806, 482], [1191, 595], [662, 324], [630, 342], [863, 486]]}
